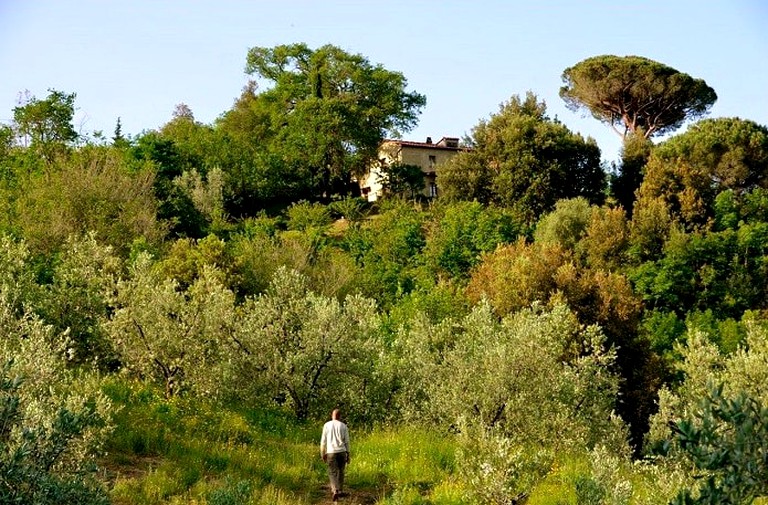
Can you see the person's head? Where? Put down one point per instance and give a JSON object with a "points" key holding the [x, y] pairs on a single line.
{"points": [[336, 414]]}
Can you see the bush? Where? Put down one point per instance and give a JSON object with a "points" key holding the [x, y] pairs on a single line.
{"points": [[53, 424], [725, 438], [31, 469]]}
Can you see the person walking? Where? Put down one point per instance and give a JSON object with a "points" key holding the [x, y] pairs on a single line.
{"points": [[334, 449]]}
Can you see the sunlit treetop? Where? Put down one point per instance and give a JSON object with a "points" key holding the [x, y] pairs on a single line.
{"points": [[633, 94]]}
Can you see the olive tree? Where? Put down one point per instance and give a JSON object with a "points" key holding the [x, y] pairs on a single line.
{"points": [[171, 335], [53, 421], [715, 420], [533, 374], [77, 298], [308, 351], [519, 390]]}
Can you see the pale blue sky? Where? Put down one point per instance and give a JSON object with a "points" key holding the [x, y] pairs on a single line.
{"points": [[136, 59]]}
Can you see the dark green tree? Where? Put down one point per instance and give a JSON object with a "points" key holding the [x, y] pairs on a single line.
{"points": [[459, 233], [320, 119], [198, 147], [402, 179], [388, 251], [635, 93], [639, 98], [688, 171], [726, 440], [522, 159], [118, 139], [634, 156], [6, 140], [175, 205]]}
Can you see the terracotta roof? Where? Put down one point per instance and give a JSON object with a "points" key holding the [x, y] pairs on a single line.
{"points": [[425, 145]]}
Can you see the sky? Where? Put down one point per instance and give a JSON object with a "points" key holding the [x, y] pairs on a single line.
{"points": [[137, 59]]}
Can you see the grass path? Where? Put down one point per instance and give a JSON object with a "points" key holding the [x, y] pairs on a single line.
{"points": [[185, 451], [354, 496]]}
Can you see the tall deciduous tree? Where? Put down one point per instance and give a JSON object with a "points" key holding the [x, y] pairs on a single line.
{"points": [[522, 159], [635, 93], [46, 125], [323, 114]]}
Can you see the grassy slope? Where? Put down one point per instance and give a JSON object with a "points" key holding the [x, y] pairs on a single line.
{"points": [[187, 452], [181, 451]]}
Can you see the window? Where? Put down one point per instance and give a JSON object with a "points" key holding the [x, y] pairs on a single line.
{"points": [[432, 161], [433, 189]]}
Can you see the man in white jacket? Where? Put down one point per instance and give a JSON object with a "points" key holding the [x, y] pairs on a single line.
{"points": [[334, 449]]}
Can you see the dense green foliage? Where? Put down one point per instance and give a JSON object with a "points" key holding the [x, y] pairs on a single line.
{"points": [[690, 171], [46, 125], [318, 122], [522, 159], [179, 310]]}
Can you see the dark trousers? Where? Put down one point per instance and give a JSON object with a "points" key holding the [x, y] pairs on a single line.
{"points": [[337, 461]]}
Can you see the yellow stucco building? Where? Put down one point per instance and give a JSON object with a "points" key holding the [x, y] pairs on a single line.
{"points": [[426, 155]]}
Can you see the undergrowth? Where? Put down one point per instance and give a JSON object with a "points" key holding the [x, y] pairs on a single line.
{"points": [[187, 451]]}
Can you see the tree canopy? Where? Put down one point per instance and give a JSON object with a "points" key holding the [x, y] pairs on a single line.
{"points": [[635, 93], [322, 114], [522, 159], [689, 170], [46, 125]]}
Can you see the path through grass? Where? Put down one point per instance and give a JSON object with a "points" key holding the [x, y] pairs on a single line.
{"points": [[186, 452]]}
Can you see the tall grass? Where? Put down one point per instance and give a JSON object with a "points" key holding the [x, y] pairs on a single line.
{"points": [[186, 451]]}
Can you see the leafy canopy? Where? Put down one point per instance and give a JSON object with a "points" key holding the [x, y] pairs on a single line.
{"points": [[689, 170], [636, 93], [320, 118], [523, 160], [46, 125]]}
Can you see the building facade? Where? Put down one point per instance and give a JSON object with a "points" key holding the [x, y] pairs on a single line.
{"points": [[426, 155]]}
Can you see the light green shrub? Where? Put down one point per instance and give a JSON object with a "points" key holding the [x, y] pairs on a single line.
{"points": [[172, 336], [53, 422], [308, 350]]}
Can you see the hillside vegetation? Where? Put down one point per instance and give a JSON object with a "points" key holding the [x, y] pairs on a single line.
{"points": [[180, 310]]}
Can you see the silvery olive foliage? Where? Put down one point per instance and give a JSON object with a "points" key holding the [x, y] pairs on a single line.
{"points": [[306, 350], [170, 335], [536, 375], [518, 390], [17, 283], [499, 470], [77, 299], [715, 423], [290, 345], [54, 421], [607, 483], [206, 193]]}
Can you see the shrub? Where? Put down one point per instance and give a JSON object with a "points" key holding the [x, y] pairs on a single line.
{"points": [[53, 424]]}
